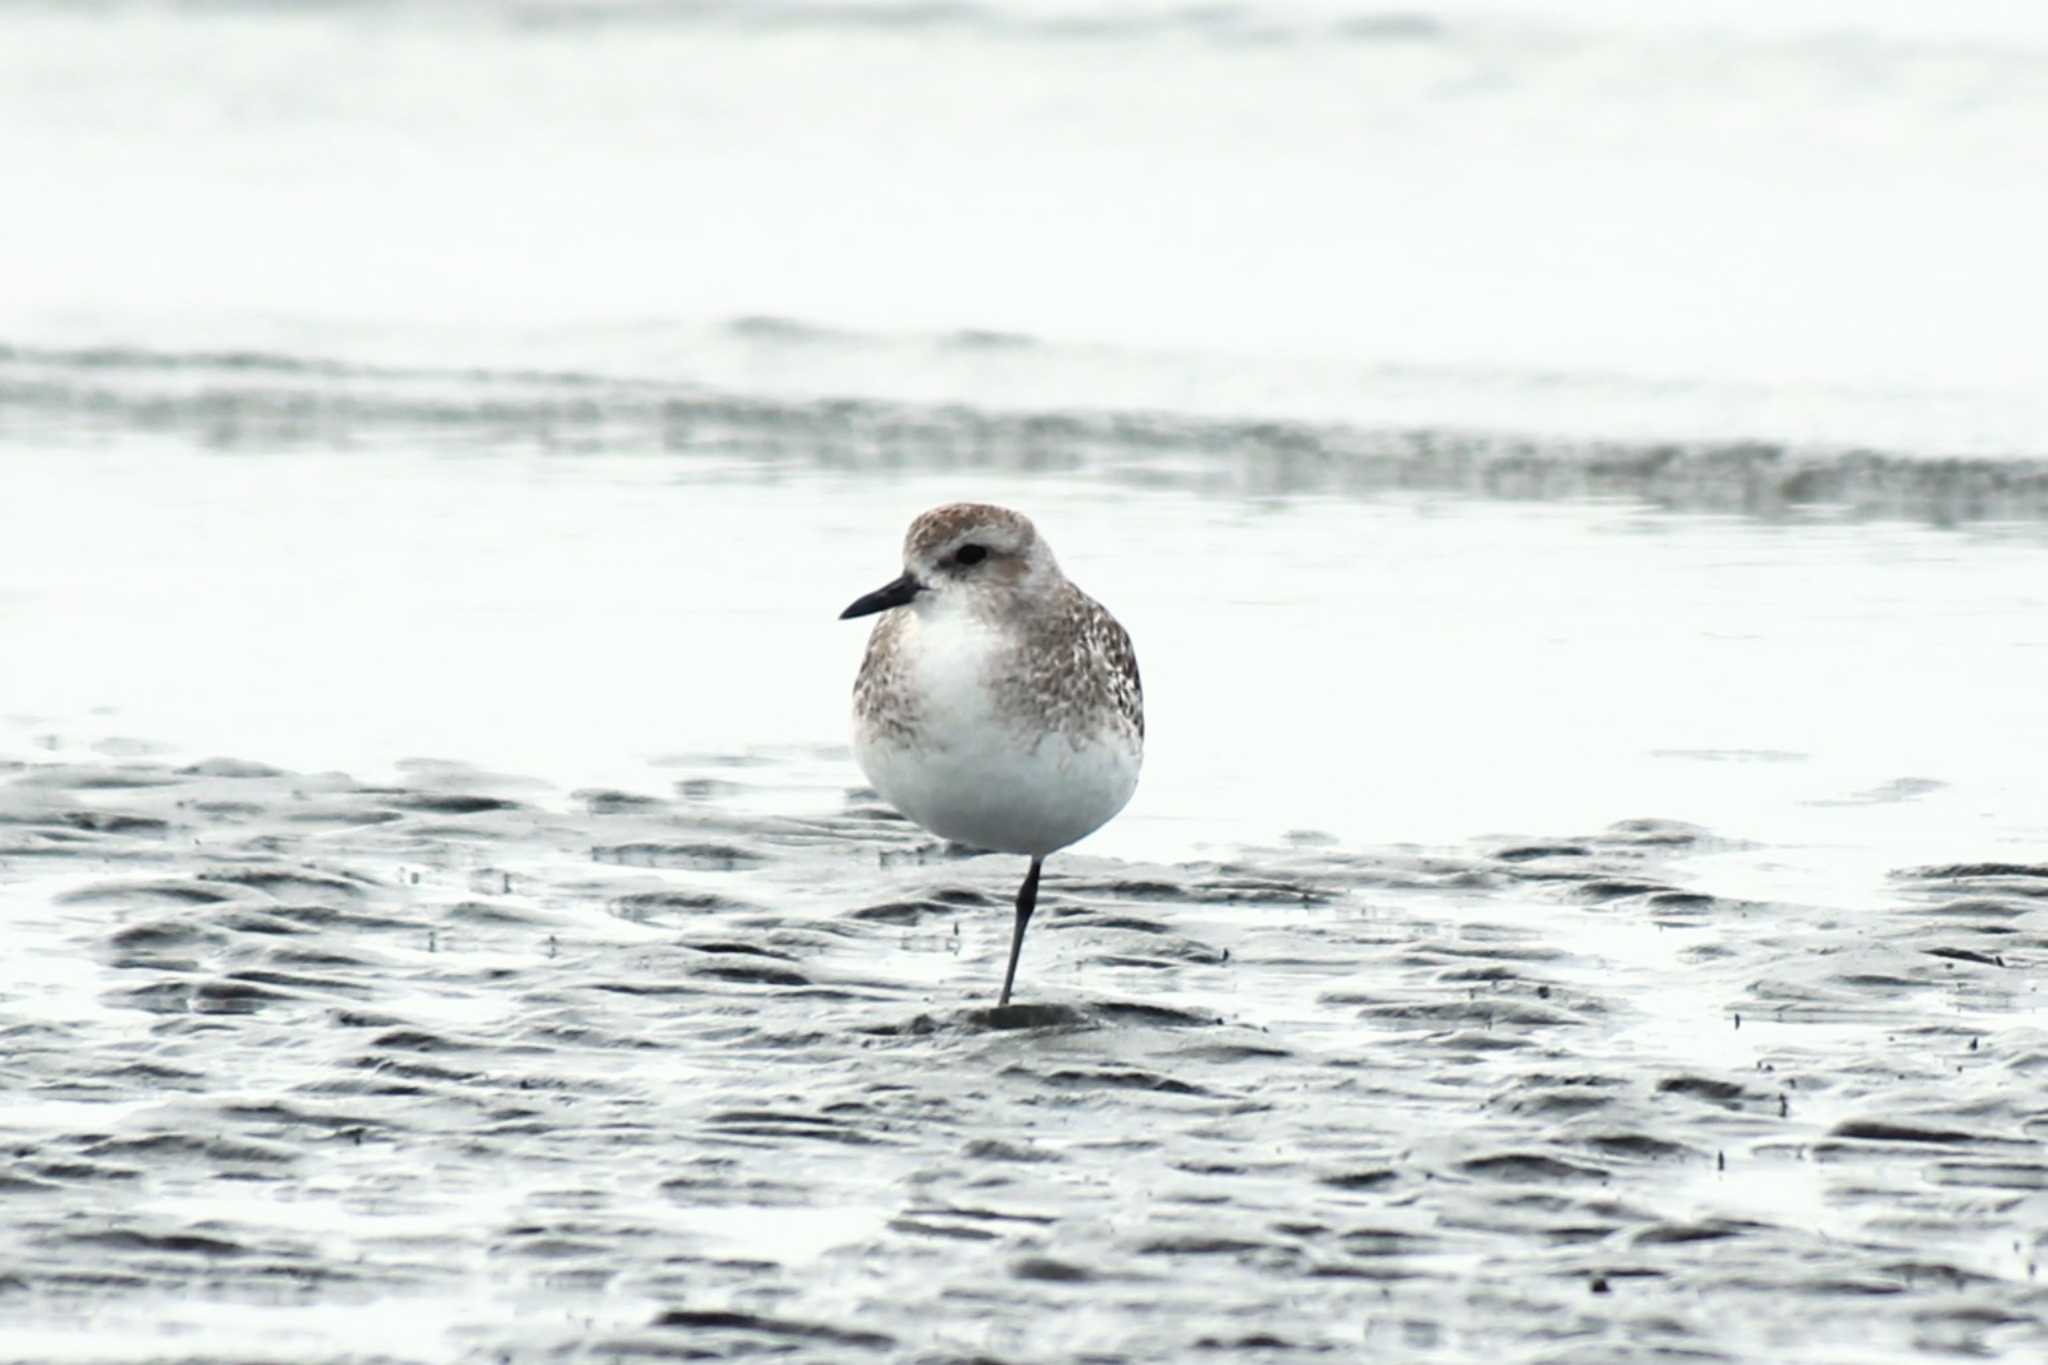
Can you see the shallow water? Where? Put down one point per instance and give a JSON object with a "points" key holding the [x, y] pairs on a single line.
{"points": [[1844, 696]]}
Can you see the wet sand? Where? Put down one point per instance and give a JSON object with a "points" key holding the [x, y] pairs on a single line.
{"points": [[1624, 943], [463, 1066]]}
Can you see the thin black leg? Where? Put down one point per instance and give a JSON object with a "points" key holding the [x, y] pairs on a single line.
{"points": [[1027, 901]]}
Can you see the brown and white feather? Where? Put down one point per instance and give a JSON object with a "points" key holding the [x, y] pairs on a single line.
{"points": [[997, 705]]}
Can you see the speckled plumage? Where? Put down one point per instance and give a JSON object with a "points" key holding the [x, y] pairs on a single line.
{"points": [[1073, 672], [1066, 665], [1070, 671], [997, 705]]}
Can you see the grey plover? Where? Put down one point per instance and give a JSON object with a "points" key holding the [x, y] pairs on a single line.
{"points": [[998, 705]]}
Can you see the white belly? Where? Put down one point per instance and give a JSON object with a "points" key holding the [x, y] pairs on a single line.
{"points": [[988, 781]]}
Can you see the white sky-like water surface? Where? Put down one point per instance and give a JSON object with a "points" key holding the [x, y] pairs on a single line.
{"points": [[1852, 698]]}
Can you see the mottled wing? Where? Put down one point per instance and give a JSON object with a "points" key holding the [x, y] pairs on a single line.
{"points": [[1075, 673], [1111, 643]]}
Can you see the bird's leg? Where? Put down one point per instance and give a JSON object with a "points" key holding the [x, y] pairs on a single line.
{"points": [[1027, 901]]}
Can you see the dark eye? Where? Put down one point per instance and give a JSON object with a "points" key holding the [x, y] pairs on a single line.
{"points": [[970, 554]]}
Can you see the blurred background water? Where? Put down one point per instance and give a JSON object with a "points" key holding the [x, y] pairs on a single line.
{"points": [[1496, 424], [1811, 221]]}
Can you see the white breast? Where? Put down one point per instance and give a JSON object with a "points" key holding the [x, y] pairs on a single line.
{"points": [[989, 780]]}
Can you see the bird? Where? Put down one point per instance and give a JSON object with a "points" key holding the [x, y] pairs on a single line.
{"points": [[997, 705]]}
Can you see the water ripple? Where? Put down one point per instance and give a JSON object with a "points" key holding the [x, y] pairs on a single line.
{"points": [[603, 1073]]}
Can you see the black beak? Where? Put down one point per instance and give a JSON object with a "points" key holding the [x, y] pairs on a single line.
{"points": [[881, 599]]}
